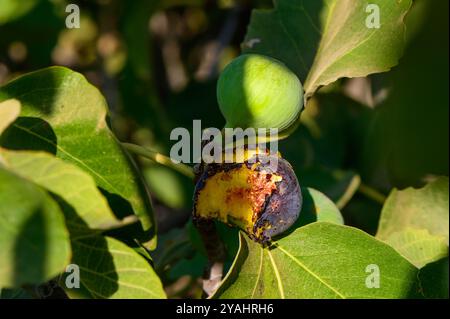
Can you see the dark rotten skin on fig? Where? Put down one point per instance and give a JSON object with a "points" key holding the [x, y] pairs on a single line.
{"points": [[262, 199]]}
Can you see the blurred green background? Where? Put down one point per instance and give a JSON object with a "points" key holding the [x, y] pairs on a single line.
{"points": [[157, 64]]}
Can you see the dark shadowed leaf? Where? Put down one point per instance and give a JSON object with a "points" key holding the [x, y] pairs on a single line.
{"points": [[408, 139], [15, 293], [434, 279]]}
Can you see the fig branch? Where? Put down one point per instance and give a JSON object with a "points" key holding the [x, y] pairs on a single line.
{"points": [[159, 159]]}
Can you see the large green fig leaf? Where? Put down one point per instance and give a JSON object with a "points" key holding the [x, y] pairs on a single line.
{"points": [[415, 222], [34, 241], [320, 260], [325, 40], [64, 115], [111, 269], [66, 180]]}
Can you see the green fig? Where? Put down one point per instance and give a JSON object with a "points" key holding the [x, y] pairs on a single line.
{"points": [[256, 91]]}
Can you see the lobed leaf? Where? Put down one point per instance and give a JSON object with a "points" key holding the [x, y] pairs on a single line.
{"points": [[322, 41]]}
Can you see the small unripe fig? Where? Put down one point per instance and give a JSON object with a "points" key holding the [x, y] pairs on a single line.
{"points": [[260, 198], [259, 92]]}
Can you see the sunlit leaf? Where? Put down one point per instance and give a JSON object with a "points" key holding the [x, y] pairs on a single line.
{"points": [[65, 115], [323, 41], [320, 260], [34, 242], [418, 246], [66, 180], [111, 269], [415, 222], [9, 111]]}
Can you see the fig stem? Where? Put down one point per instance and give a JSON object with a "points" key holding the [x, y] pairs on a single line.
{"points": [[160, 159], [216, 253], [267, 139], [372, 193]]}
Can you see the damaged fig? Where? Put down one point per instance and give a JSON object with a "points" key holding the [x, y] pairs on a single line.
{"points": [[260, 198]]}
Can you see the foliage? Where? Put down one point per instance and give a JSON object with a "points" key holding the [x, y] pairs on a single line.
{"points": [[370, 150]]}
